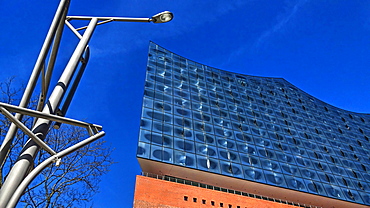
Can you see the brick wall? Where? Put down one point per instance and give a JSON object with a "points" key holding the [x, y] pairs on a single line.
{"points": [[151, 192]]}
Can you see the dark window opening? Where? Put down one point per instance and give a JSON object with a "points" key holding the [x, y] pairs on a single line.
{"points": [[212, 203], [355, 156], [351, 195], [362, 120], [306, 135], [326, 149], [230, 206], [286, 122], [317, 131], [361, 130], [314, 185], [360, 185], [279, 137], [345, 182], [354, 173], [221, 204], [185, 198], [289, 132], [255, 122], [350, 116], [363, 167], [194, 199], [340, 131], [320, 166], [326, 108], [342, 153], [282, 114], [240, 127], [203, 201]]}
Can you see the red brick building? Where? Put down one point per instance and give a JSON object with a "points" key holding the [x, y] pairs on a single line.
{"points": [[153, 192]]}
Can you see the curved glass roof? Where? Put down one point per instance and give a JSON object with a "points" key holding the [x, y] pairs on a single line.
{"points": [[259, 129]]}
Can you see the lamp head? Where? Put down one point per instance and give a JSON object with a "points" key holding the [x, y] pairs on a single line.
{"points": [[162, 17]]}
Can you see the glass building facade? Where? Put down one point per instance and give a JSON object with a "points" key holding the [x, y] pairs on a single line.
{"points": [[258, 129]]}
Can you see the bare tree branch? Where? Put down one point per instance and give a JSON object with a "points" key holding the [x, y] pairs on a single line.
{"points": [[71, 184]]}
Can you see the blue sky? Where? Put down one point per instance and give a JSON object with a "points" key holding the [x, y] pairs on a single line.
{"points": [[322, 47]]}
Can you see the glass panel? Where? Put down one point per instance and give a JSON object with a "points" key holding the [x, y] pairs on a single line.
{"points": [[276, 179], [207, 150], [142, 150], [254, 174], [295, 183], [315, 187], [334, 191]]}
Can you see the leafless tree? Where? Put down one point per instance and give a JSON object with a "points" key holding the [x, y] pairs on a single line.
{"points": [[71, 184]]}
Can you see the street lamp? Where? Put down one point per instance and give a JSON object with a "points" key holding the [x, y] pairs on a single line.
{"points": [[162, 17], [18, 178]]}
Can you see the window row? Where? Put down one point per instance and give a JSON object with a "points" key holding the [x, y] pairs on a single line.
{"points": [[250, 154], [235, 114], [246, 109], [259, 157], [177, 126], [186, 129], [212, 203]]}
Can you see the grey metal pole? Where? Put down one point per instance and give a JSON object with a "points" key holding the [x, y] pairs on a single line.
{"points": [[68, 100], [51, 62], [18, 193], [26, 159], [5, 146]]}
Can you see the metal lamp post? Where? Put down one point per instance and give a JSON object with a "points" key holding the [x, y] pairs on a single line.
{"points": [[18, 179]]}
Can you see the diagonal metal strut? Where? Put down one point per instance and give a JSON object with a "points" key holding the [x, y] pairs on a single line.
{"points": [[24, 128]]}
